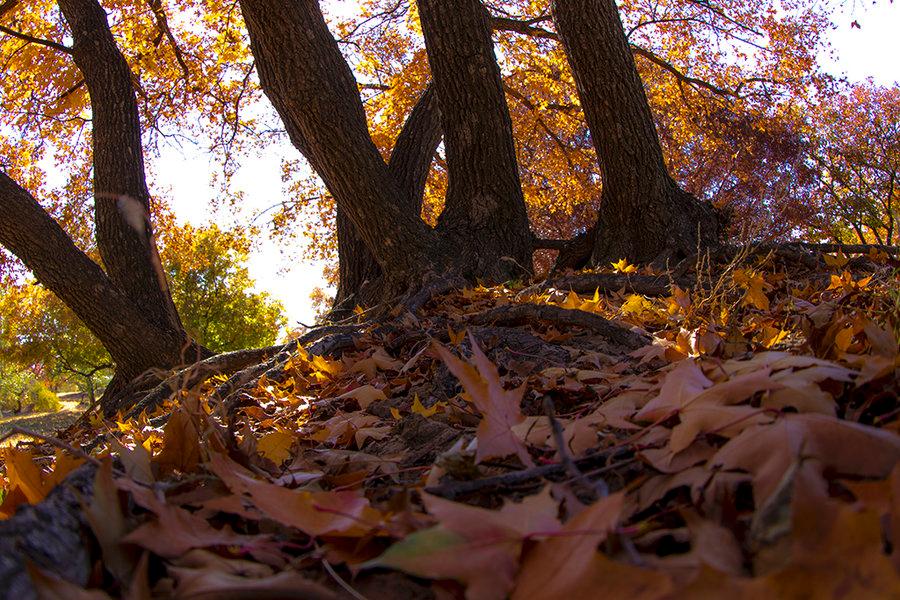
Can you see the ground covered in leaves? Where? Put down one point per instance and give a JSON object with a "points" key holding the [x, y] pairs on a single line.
{"points": [[725, 429]]}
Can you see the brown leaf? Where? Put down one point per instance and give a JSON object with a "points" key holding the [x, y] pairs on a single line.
{"points": [[499, 407], [767, 451], [181, 444], [567, 565], [344, 514], [213, 584]]}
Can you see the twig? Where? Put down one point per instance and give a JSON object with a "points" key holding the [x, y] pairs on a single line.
{"points": [[340, 581], [598, 489], [53, 441], [455, 489]]}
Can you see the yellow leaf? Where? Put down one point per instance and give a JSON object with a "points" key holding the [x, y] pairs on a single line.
{"points": [[419, 409], [456, 337], [572, 301], [365, 395], [843, 339], [276, 446], [24, 474], [395, 413], [623, 267], [636, 305], [771, 336], [836, 260]]}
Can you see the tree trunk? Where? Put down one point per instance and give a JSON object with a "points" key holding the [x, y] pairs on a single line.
{"points": [[313, 89], [484, 219], [121, 198], [360, 274], [134, 343], [644, 216]]}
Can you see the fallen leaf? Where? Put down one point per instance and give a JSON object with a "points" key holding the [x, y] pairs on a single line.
{"points": [[499, 407], [276, 446], [568, 565]]}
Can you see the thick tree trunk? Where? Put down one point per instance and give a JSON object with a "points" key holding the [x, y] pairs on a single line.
{"points": [[121, 198], [644, 216], [312, 88], [484, 218], [360, 274], [134, 343]]}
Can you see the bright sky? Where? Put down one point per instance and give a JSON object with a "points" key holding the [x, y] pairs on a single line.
{"points": [[872, 51]]}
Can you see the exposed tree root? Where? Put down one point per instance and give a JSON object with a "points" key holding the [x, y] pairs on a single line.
{"points": [[433, 286], [228, 363], [513, 314], [52, 535]]}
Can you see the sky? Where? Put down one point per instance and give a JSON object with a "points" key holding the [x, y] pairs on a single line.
{"points": [[873, 50]]}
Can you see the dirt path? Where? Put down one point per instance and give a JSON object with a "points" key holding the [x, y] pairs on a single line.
{"points": [[46, 423]]}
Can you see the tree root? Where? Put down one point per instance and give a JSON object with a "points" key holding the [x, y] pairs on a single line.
{"points": [[53, 535], [274, 368], [433, 286], [513, 314], [243, 361]]}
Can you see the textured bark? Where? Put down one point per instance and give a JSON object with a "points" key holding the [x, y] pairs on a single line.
{"points": [[134, 343], [409, 165], [644, 215], [312, 88], [53, 535], [121, 198], [484, 219]]}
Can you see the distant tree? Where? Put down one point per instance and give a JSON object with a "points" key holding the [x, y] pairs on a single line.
{"points": [[856, 151], [211, 287], [213, 290]]}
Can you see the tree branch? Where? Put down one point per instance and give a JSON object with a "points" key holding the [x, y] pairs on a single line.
{"points": [[122, 199], [34, 40]]}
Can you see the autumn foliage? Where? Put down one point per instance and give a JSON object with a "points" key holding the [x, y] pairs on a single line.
{"points": [[576, 349], [738, 436]]}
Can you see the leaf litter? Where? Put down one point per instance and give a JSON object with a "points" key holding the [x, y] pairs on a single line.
{"points": [[750, 447]]}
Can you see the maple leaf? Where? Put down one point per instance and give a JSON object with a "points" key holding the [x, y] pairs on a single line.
{"points": [[754, 285], [767, 451], [499, 407], [177, 530], [276, 446], [342, 514], [365, 395], [622, 266], [474, 545], [568, 565], [181, 443]]}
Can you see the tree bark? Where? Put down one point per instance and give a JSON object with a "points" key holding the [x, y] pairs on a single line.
{"points": [[409, 165], [121, 198], [313, 89], [484, 218], [644, 216], [135, 343]]}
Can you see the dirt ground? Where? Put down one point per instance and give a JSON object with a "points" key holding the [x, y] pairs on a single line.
{"points": [[46, 423]]}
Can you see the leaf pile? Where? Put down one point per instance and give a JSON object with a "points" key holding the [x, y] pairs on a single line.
{"points": [[737, 435]]}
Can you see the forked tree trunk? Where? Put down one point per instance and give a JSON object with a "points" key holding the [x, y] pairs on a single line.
{"points": [[121, 198], [644, 216], [359, 272], [134, 343], [484, 220], [129, 308], [312, 88]]}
